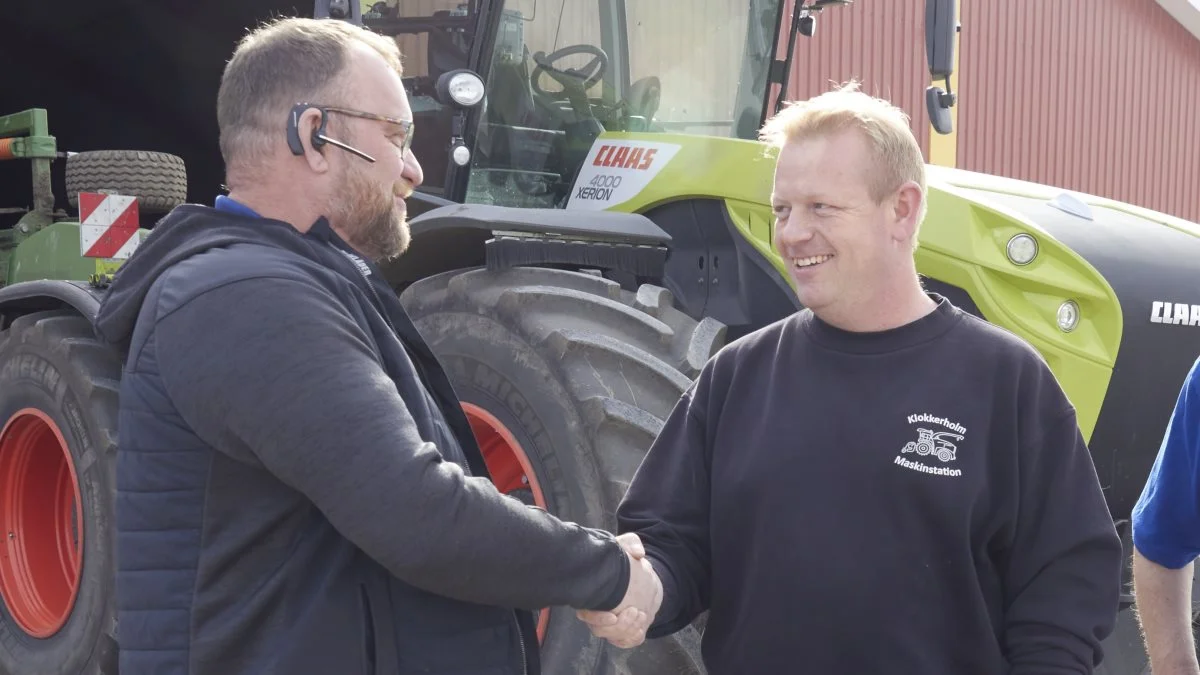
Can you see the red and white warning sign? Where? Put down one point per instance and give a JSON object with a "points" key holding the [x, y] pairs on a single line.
{"points": [[108, 225]]}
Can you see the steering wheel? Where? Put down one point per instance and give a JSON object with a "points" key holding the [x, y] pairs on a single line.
{"points": [[573, 80]]}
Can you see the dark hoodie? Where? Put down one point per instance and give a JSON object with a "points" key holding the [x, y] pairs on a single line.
{"points": [[298, 490]]}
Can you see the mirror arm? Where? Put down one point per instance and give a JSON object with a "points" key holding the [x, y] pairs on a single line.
{"points": [[948, 97], [797, 12]]}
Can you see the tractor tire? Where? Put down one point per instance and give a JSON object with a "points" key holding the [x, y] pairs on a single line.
{"points": [[158, 180], [567, 379], [58, 408]]}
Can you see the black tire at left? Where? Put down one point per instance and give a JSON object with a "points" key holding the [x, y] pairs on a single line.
{"points": [[51, 361]]}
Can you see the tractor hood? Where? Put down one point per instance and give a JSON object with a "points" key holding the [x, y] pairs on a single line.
{"points": [[981, 184], [1151, 263]]}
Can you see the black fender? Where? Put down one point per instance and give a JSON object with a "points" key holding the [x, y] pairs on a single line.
{"points": [[714, 271], [609, 226], [689, 246], [43, 294], [458, 236]]}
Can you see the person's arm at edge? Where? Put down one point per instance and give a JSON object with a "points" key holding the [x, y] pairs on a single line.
{"points": [[283, 370], [667, 507], [1164, 611], [1166, 539], [1063, 571]]}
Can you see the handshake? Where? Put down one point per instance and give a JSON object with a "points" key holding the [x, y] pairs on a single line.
{"points": [[626, 625]]}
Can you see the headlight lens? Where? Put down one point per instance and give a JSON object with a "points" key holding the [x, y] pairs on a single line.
{"points": [[1022, 249], [466, 89], [1068, 316]]}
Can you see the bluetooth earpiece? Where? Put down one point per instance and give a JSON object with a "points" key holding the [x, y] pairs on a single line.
{"points": [[319, 139], [293, 129]]}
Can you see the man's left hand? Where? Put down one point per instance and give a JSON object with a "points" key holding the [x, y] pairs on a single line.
{"points": [[625, 627]]}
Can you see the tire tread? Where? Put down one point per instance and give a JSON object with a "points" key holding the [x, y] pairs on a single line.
{"points": [[157, 179], [67, 339]]}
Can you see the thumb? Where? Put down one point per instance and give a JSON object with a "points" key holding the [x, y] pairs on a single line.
{"points": [[632, 545]]}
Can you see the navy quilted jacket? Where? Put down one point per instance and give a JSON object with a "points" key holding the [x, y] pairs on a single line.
{"points": [[298, 489]]}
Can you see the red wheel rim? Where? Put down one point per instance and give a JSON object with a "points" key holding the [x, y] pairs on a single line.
{"points": [[509, 466], [41, 517]]}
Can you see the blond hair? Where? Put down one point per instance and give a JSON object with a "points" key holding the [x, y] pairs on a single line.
{"points": [[894, 149], [281, 63]]}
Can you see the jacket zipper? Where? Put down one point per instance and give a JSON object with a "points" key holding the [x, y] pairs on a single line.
{"points": [[375, 294], [426, 381], [521, 640], [388, 320]]}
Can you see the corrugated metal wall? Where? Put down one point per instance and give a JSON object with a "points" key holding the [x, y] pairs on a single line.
{"points": [[1098, 96], [880, 43]]}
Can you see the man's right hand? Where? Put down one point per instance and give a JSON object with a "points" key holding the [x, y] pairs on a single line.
{"points": [[626, 625]]}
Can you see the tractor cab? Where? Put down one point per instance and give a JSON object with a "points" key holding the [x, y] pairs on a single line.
{"points": [[509, 96], [559, 73]]}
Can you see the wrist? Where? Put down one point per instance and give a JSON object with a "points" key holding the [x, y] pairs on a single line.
{"points": [[666, 580], [621, 582], [1181, 664]]}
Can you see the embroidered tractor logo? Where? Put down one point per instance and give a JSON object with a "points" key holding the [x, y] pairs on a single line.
{"points": [[929, 443]]}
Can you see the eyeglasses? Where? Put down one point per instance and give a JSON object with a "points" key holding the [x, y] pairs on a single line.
{"points": [[406, 126]]}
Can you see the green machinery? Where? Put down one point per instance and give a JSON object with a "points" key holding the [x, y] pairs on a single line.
{"points": [[46, 243], [606, 221]]}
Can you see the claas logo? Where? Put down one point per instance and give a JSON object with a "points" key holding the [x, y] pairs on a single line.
{"points": [[625, 157]]}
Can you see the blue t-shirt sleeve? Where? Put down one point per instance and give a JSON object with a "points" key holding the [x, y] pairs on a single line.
{"points": [[1166, 518]]}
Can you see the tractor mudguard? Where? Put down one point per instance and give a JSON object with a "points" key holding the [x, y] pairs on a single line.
{"points": [[46, 294], [471, 235], [605, 226]]}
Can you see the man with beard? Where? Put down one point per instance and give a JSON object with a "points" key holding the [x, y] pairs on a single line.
{"points": [[298, 489]]}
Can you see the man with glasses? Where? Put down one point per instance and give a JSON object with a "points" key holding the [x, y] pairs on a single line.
{"points": [[298, 488]]}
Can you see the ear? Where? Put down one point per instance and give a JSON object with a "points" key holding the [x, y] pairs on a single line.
{"points": [[906, 210], [307, 126]]}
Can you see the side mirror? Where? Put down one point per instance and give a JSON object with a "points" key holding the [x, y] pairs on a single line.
{"points": [[941, 29], [343, 10], [808, 25]]}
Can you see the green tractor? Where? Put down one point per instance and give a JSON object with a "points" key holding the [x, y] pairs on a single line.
{"points": [[579, 251]]}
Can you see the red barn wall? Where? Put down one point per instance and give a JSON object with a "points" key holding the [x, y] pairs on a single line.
{"points": [[880, 43], [1097, 96]]}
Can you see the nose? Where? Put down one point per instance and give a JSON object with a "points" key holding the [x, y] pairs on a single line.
{"points": [[792, 231], [412, 171]]}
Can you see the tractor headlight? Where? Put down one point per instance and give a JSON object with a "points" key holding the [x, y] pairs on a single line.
{"points": [[1022, 249], [1068, 316], [462, 87]]}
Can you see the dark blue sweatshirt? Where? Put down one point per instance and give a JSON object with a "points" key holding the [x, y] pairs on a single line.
{"points": [[917, 500]]}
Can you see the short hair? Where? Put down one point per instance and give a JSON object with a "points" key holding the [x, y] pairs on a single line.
{"points": [[884, 126], [283, 62]]}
